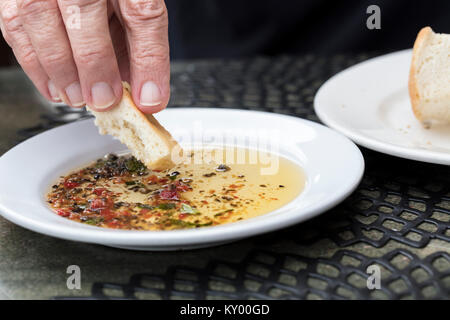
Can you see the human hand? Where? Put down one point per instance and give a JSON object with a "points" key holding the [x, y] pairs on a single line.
{"points": [[84, 61]]}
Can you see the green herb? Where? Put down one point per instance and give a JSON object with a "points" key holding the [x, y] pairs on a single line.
{"points": [[185, 208], [135, 166], [94, 221], [100, 163], [145, 206], [187, 224], [166, 206], [223, 212], [173, 175], [130, 183], [139, 186]]}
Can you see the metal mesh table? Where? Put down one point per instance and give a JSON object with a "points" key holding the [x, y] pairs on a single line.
{"points": [[398, 218]]}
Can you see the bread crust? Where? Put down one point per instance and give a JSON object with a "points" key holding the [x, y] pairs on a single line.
{"points": [[161, 163], [150, 119], [413, 88]]}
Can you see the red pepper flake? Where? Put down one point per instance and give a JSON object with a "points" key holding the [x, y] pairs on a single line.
{"points": [[182, 187], [204, 202], [169, 194], [182, 216], [99, 191], [113, 224], [71, 184], [98, 204], [63, 213], [73, 216], [107, 214], [152, 179]]}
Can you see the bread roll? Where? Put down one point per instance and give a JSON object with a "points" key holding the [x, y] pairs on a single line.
{"points": [[429, 79]]}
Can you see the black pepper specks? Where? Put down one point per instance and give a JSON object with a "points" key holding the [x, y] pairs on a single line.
{"points": [[209, 175], [223, 168]]}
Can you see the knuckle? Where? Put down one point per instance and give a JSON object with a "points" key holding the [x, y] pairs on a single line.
{"points": [[11, 20], [89, 55], [150, 58], [33, 7], [82, 4], [27, 57], [138, 11], [55, 60]]}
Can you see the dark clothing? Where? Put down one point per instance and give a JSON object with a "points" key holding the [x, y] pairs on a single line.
{"points": [[231, 28]]}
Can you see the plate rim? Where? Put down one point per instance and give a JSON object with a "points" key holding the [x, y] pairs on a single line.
{"points": [[228, 232], [361, 139]]}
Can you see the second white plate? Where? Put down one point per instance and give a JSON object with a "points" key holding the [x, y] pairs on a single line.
{"points": [[369, 103]]}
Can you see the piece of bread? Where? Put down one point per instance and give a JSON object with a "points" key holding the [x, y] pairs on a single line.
{"points": [[429, 78], [147, 140]]}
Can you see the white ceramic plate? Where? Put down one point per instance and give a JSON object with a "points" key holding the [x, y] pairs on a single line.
{"points": [[369, 103], [332, 163]]}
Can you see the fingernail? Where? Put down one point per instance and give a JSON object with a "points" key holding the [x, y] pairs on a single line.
{"points": [[102, 95], [53, 91], [150, 94], [73, 92]]}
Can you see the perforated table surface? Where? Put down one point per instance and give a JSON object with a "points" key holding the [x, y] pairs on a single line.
{"points": [[397, 219]]}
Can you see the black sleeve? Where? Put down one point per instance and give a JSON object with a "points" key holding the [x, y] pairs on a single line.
{"points": [[232, 28]]}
